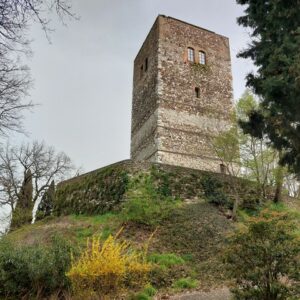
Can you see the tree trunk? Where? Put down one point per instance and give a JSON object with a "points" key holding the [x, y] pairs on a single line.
{"points": [[236, 202], [279, 182], [278, 192], [234, 209]]}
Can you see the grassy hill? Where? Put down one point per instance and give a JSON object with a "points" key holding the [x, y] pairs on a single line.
{"points": [[188, 243], [180, 214]]}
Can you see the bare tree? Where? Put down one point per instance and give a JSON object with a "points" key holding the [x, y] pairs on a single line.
{"points": [[292, 184], [36, 160], [16, 17], [226, 149]]}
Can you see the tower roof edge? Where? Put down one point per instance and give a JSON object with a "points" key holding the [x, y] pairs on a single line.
{"points": [[190, 24]]}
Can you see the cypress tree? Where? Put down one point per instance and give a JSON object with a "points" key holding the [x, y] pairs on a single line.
{"points": [[26, 191], [22, 214]]}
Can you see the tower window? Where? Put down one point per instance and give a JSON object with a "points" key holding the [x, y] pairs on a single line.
{"points": [[202, 58], [223, 168], [197, 92], [191, 55], [141, 72], [146, 64]]}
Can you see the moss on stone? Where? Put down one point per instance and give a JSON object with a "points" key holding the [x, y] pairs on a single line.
{"points": [[105, 189]]}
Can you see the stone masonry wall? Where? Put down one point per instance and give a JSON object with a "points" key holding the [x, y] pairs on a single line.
{"points": [[105, 189], [171, 125], [187, 124], [145, 98]]}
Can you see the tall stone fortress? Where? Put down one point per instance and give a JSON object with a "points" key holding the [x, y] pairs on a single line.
{"points": [[182, 95]]}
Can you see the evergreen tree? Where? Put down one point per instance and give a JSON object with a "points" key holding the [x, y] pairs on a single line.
{"points": [[22, 214], [274, 49], [46, 205], [26, 192]]}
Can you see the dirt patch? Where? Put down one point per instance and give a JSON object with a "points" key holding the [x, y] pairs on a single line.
{"points": [[216, 294]]}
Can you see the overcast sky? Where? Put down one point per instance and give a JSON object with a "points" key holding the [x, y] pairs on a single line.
{"points": [[83, 80]]}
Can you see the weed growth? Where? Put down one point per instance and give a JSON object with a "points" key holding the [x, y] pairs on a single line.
{"points": [[146, 204]]}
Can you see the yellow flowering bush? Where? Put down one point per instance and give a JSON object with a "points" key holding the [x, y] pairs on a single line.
{"points": [[108, 268]]}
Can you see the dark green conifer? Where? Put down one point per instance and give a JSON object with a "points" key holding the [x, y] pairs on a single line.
{"points": [[274, 49], [26, 191]]}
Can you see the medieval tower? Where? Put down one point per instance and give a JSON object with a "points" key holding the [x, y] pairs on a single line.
{"points": [[182, 95]]}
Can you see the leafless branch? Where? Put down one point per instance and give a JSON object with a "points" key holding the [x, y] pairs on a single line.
{"points": [[44, 163], [16, 16]]}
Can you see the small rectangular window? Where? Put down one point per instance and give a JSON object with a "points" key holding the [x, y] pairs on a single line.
{"points": [[191, 55], [146, 64], [202, 58], [197, 92]]}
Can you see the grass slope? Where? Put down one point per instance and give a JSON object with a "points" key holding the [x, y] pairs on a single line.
{"points": [[188, 244], [186, 249]]}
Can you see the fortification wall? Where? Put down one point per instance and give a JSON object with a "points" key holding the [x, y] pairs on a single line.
{"points": [[106, 189]]}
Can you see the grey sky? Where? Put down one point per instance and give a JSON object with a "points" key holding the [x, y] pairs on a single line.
{"points": [[83, 80]]}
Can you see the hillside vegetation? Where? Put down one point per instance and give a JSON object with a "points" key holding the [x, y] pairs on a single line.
{"points": [[173, 226]]}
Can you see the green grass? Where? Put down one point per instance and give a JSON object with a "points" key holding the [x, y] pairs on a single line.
{"points": [[146, 294], [188, 257], [150, 290], [187, 244], [141, 296], [166, 259], [185, 283], [83, 233], [96, 219], [106, 232]]}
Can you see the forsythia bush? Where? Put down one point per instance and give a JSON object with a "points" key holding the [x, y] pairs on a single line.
{"points": [[107, 268]]}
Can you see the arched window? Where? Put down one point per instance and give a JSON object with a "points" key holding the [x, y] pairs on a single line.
{"points": [[202, 58], [191, 55], [197, 92]]}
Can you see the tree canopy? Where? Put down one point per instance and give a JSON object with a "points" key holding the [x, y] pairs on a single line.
{"points": [[274, 49]]}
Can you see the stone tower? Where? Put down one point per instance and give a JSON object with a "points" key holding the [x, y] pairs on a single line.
{"points": [[182, 95]]}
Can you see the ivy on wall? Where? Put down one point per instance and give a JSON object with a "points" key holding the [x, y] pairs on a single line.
{"points": [[106, 189], [95, 193]]}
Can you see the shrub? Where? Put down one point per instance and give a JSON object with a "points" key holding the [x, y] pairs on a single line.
{"points": [[29, 271], [146, 204], [108, 267], [20, 217], [263, 258], [185, 283]]}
